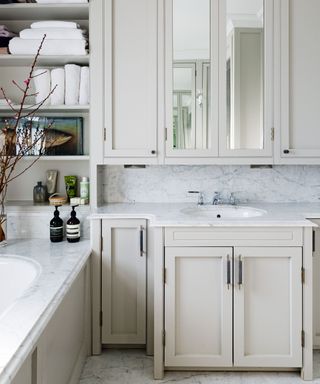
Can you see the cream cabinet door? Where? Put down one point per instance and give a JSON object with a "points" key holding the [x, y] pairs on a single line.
{"points": [[124, 281], [131, 53], [268, 307], [198, 307], [297, 80], [316, 285]]}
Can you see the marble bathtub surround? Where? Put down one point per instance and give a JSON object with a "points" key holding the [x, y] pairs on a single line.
{"points": [[27, 221], [170, 184], [23, 323]]}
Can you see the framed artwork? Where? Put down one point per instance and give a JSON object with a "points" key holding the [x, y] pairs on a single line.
{"points": [[63, 138]]}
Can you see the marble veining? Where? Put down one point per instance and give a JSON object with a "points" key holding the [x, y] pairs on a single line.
{"points": [[25, 221], [169, 184], [173, 214], [23, 323], [134, 367]]}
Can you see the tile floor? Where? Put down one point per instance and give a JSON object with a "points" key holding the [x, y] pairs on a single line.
{"points": [[133, 367]]}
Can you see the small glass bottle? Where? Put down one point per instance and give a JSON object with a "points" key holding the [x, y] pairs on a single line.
{"points": [[40, 193], [56, 227], [73, 227]]}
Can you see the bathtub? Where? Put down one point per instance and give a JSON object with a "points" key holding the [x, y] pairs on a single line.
{"points": [[16, 276]]}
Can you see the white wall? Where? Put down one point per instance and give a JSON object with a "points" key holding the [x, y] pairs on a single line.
{"points": [[171, 183]]}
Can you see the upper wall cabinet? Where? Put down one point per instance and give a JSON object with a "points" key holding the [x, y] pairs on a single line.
{"points": [[218, 86], [131, 61], [297, 97]]}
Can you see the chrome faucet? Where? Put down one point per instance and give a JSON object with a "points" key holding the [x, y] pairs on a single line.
{"points": [[216, 199], [200, 197]]}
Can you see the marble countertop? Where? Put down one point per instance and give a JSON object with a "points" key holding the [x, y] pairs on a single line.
{"points": [[23, 323], [171, 214]]}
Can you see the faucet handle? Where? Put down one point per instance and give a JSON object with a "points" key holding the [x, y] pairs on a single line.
{"points": [[232, 199], [216, 198], [200, 196]]}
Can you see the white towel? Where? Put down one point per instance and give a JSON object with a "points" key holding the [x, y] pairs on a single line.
{"points": [[54, 24], [61, 1], [53, 33], [84, 86], [57, 79], [18, 46], [42, 85], [72, 73]]}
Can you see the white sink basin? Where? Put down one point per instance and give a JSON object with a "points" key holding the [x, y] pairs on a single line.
{"points": [[224, 212]]}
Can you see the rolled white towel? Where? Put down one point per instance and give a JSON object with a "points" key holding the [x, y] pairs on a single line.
{"points": [[54, 24], [57, 79], [84, 96], [18, 46], [53, 33], [42, 85], [72, 73], [61, 1]]}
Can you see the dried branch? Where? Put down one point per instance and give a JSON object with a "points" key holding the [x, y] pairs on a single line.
{"points": [[17, 140]]}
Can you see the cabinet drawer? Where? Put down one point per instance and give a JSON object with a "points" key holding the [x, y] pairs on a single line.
{"points": [[249, 236]]}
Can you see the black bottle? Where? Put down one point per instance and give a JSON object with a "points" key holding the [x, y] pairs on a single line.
{"points": [[56, 227], [73, 227]]}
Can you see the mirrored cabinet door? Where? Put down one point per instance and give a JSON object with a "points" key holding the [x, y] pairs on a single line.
{"points": [[245, 123], [191, 86]]}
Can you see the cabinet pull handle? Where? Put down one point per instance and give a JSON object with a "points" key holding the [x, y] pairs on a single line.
{"points": [[240, 271], [141, 241], [228, 271], [313, 241], [286, 151]]}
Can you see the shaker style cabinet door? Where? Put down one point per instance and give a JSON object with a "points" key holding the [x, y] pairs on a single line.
{"points": [[198, 307], [131, 44], [316, 285], [124, 282], [268, 307], [297, 81]]}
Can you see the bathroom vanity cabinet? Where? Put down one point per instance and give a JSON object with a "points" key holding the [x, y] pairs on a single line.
{"points": [[239, 306], [233, 298], [124, 282]]}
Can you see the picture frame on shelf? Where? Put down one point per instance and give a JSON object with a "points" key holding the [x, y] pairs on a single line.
{"points": [[64, 138]]}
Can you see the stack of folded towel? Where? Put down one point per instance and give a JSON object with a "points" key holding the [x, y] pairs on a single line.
{"points": [[5, 37], [62, 38], [71, 82]]}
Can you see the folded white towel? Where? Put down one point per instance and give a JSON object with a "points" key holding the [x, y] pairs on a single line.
{"points": [[84, 86], [54, 24], [57, 79], [18, 46], [53, 33], [72, 73], [42, 85], [61, 1]]}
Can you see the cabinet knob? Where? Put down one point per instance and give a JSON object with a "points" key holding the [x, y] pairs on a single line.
{"points": [[153, 152], [286, 151]]}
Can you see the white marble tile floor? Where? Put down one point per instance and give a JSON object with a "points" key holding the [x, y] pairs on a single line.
{"points": [[133, 367]]}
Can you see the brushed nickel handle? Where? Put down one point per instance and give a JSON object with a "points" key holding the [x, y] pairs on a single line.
{"points": [[141, 241], [228, 271], [240, 282]]}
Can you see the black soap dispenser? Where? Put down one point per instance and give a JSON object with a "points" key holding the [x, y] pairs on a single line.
{"points": [[73, 227], [56, 227]]}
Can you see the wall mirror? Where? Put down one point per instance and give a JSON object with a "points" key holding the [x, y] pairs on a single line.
{"points": [[245, 74]]}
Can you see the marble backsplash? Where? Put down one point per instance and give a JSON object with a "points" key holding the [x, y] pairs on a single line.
{"points": [[171, 183]]}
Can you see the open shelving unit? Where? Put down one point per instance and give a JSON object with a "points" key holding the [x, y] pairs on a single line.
{"points": [[17, 17]]}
